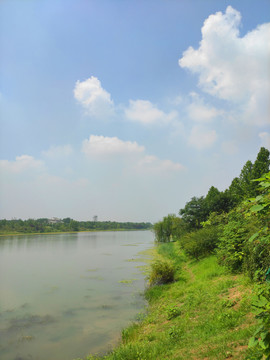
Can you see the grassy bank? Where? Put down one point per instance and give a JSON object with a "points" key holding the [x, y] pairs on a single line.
{"points": [[204, 314]]}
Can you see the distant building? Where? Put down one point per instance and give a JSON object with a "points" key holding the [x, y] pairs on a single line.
{"points": [[95, 218], [54, 220]]}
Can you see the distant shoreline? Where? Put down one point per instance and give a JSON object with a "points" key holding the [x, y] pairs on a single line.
{"points": [[70, 232]]}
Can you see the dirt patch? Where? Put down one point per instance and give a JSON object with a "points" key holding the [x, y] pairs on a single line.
{"points": [[234, 294]]}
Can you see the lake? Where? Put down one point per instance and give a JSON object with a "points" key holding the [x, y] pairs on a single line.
{"points": [[64, 296]]}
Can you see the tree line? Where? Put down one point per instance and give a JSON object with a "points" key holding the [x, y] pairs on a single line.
{"points": [[199, 209], [44, 225], [235, 226]]}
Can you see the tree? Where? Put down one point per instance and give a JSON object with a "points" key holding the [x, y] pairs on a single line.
{"points": [[168, 229], [194, 212], [245, 179], [212, 200], [260, 167]]}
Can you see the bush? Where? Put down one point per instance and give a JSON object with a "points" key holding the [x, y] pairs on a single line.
{"points": [[200, 243], [257, 259], [245, 242], [162, 272], [260, 342], [231, 248]]}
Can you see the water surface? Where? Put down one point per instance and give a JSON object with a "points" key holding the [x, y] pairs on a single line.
{"points": [[64, 296]]}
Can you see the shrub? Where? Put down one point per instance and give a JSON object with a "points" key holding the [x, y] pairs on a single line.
{"points": [[257, 259], [200, 243], [260, 342], [162, 272], [245, 242], [231, 248]]}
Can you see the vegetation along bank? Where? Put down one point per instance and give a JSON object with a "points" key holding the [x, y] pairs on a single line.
{"points": [[209, 283], [55, 225]]}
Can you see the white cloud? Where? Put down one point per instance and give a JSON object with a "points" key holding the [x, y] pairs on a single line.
{"points": [[144, 112], [154, 164], [96, 101], [58, 151], [109, 146], [21, 164], [112, 148], [201, 137], [231, 67], [265, 138], [201, 112]]}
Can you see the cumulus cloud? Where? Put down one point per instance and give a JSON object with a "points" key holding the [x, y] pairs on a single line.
{"points": [[112, 148], [202, 138], [265, 139], [58, 151], [22, 163], [144, 112], [109, 146], [154, 164], [231, 67], [96, 101], [201, 112]]}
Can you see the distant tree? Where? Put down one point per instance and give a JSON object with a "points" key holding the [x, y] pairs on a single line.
{"points": [[67, 220]]}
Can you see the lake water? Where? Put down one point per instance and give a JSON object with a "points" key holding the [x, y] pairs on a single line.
{"points": [[67, 295]]}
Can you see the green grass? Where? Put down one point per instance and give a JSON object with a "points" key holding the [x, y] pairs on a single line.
{"points": [[204, 314]]}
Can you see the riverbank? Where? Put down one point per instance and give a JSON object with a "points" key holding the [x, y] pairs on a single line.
{"points": [[204, 314], [68, 232], [66, 225]]}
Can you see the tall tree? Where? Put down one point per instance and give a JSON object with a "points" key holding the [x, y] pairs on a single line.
{"points": [[260, 167], [245, 179], [194, 212]]}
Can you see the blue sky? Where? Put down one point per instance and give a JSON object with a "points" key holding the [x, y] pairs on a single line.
{"points": [[126, 109]]}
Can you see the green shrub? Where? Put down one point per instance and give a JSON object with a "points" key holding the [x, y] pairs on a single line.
{"points": [[245, 241], [162, 272], [231, 248], [257, 259], [200, 243], [260, 342]]}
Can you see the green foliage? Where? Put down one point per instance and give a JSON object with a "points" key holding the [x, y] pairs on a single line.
{"points": [[162, 272], [257, 260], [245, 241], [198, 210], [260, 167], [172, 311], [244, 186], [231, 248], [170, 228], [66, 225], [260, 340], [200, 243], [194, 212]]}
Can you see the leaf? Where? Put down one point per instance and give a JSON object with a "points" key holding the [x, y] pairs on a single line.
{"points": [[264, 335], [256, 208], [259, 197], [254, 236], [252, 342]]}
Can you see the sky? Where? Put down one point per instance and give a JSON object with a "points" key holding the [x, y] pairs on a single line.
{"points": [[126, 109]]}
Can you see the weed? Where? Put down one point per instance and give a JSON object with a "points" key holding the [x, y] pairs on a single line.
{"points": [[162, 273], [172, 311]]}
